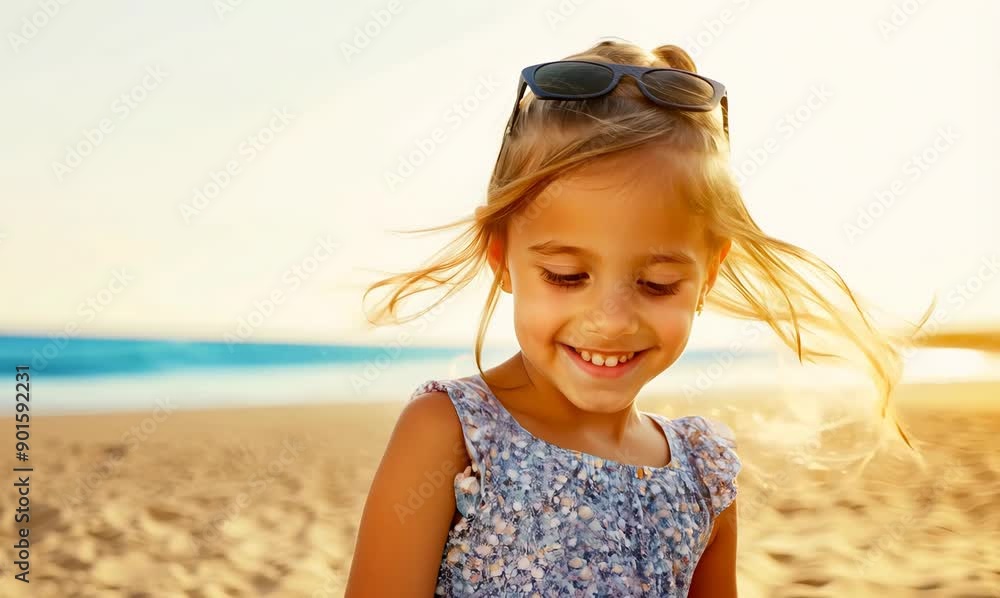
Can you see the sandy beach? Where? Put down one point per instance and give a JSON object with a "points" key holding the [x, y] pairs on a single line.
{"points": [[266, 501]]}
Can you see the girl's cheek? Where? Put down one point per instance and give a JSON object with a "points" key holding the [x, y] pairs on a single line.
{"points": [[541, 309], [675, 322]]}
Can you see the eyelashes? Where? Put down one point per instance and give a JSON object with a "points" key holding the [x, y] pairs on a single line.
{"points": [[563, 280], [569, 281]]}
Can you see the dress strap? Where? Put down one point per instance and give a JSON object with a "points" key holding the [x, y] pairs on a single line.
{"points": [[478, 417], [678, 450]]}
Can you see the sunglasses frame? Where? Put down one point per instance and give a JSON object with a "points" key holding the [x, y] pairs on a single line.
{"points": [[527, 79]]}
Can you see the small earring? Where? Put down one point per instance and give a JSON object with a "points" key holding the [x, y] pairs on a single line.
{"points": [[701, 306]]}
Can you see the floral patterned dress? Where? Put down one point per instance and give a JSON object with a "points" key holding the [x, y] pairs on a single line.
{"points": [[539, 520]]}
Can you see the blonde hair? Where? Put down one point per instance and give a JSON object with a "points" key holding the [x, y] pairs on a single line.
{"points": [[800, 297]]}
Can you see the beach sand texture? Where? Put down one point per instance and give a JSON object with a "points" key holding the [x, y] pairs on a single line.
{"points": [[124, 505]]}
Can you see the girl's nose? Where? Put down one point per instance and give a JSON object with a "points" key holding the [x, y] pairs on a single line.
{"points": [[614, 317]]}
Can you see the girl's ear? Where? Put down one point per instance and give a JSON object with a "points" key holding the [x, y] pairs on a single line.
{"points": [[497, 259], [715, 264]]}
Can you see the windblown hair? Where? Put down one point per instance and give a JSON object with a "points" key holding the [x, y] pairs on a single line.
{"points": [[801, 298]]}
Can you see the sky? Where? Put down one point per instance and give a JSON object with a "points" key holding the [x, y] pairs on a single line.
{"points": [[204, 168]]}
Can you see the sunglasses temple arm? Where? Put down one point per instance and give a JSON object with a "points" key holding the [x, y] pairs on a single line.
{"points": [[521, 86], [725, 116]]}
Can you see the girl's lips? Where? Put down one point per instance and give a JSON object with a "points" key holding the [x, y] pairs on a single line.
{"points": [[601, 371]]}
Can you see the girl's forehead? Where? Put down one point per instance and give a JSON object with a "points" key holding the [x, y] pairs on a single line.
{"points": [[610, 209]]}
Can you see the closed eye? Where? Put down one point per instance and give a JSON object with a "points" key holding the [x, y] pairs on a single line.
{"points": [[663, 289], [569, 281], [564, 280]]}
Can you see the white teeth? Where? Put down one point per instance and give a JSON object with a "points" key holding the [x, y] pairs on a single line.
{"points": [[605, 360]]}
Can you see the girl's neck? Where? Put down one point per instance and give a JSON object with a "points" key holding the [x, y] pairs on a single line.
{"points": [[529, 395]]}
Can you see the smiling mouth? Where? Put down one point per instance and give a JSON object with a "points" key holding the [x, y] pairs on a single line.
{"points": [[607, 359]]}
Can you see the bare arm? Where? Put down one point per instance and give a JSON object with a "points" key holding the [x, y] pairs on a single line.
{"points": [[715, 575], [411, 503]]}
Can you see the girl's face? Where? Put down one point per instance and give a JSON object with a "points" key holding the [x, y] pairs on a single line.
{"points": [[605, 266]]}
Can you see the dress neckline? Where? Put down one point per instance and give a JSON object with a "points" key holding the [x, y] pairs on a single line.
{"points": [[668, 432]]}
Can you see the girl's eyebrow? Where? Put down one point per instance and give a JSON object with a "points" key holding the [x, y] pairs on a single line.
{"points": [[553, 248]]}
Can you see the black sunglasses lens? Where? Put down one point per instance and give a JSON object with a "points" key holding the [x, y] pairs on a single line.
{"points": [[573, 78], [679, 88]]}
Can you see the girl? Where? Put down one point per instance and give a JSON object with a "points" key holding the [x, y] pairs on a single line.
{"points": [[612, 219]]}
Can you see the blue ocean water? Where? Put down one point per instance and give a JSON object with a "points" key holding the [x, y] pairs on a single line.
{"points": [[87, 357], [83, 375], [100, 374]]}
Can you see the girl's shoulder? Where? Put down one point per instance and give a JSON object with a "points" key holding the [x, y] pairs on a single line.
{"points": [[467, 395], [469, 399], [454, 387]]}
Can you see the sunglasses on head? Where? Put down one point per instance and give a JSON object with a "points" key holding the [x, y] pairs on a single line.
{"points": [[585, 79]]}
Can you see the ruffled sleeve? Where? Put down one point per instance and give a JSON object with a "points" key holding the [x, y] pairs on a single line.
{"points": [[712, 453]]}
